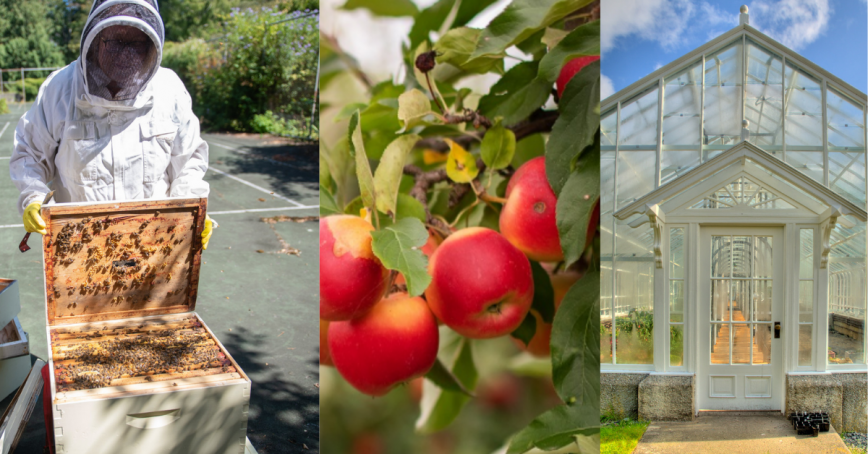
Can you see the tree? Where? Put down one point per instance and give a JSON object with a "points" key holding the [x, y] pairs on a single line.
{"points": [[25, 39]]}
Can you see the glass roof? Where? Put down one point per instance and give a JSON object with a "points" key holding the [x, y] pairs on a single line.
{"points": [[791, 112], [743, 192]]}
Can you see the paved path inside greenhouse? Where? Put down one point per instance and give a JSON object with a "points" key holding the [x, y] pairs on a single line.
{"points": [[736, 433], [258, 290]]}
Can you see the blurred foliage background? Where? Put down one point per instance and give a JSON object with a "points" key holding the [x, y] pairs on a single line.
{"points": [[245, 69]]}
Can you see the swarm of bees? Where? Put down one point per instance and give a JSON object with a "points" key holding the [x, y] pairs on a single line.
{"points": [[136, 352]]}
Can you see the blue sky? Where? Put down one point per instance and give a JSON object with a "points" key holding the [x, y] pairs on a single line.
{"points": [[639, 36]]}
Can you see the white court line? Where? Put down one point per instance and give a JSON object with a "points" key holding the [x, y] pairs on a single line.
{"points": [[259, 188], [4, 128], [11, 226], [257, 210], [5, 157]]}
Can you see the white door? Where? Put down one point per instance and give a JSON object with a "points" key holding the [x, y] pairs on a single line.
{"points": [[740, 305]]}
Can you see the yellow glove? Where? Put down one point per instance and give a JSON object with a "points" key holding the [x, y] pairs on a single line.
{"points": [[33, 221], [206, 232]]}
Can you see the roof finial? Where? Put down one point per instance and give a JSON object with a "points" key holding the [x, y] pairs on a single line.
{"points": [[743, 18]]}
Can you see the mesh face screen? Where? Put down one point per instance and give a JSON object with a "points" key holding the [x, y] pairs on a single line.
{"points": [[121, 59]]}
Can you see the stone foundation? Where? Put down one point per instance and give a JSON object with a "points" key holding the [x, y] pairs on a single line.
{"points": [[843, 396], [667, 398], [619, 394]]}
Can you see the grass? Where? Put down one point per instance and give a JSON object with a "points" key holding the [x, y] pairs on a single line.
{"points": [[621, 437]]}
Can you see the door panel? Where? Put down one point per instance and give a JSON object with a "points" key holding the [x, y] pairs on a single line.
{"points": [[741, 295]]}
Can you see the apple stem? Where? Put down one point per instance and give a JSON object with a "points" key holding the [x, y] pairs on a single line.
{"points": [[433, 94]]}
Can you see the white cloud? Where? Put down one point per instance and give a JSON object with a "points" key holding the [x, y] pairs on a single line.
{"points": [[664, 21], [607, 88], [795, 23]]}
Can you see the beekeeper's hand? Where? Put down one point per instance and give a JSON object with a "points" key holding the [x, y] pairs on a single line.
{"points": [[206, 232], [33, 220]]}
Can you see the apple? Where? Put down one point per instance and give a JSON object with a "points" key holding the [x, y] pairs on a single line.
{"points": [[528, 216], [481, 285], [571, 69], [325, 358], [396, 341], [540, 343], [500, 392], [351, 277]]}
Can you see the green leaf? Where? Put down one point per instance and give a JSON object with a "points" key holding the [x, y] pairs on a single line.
{"points": [[528, 365], [498, 146], [553, 36], [456, 46], [533, 45], [528, 148], [526, 330], [445, 379], [398, 248], [387, 178], [392, 8], [543, 293], [349, 110], [363, 167], [576, 126], [327, 203], [576, 343], [460, 165], [409, 207], [413, 107], [582, 41], [436, 16], [516, 95], [520, 20], [575, 205], [342, 169], [557, 428], [439, 406]]}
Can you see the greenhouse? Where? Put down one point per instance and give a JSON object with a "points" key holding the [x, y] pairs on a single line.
{"points": [[733, 233]]}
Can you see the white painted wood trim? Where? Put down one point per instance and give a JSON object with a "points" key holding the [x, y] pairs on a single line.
{"points": [[16, 348]]}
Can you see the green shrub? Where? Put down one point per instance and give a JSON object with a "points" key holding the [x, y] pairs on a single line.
{"points": [[31, 86], [4, 108]]}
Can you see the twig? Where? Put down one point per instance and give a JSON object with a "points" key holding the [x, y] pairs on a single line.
{"points": [[540, 121], [434, 95], [333, 42]]}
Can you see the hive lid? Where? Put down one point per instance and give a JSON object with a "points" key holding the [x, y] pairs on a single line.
{"points": [[147, 251], [10, 304]]}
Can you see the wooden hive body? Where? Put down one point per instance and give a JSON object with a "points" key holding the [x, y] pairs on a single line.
{"points": [[14, 357], [133, 368]]}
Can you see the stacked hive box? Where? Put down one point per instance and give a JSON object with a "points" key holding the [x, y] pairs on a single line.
{"points": [[133, 368], [14, 346]]}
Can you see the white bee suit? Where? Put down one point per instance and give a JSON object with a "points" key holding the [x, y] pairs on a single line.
{"points": [[88, 144]]}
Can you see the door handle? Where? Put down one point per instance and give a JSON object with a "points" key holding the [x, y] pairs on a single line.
{"points": [[777, 330]]}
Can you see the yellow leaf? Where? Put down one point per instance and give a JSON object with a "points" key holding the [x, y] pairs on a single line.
{"points": [[433, 156], [460, 165]]}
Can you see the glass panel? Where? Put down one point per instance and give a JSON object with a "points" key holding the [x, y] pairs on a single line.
{"points": [[763, 257], [808, 162], [723, 80], [609, 129], [848, 285], [607, 227], [742, 250], [676, 301], [804, 111], [806, 301], [806, 254], [762, 298], [762, 102], [720, 300], [762, 343], [845, 128], [741, 298], [681, 104], [676, 345], [639, 120], [636, 174], [721, 254], [675, 163], [847, 175], [676, 253], [720, 343], [740, 343], [634, 294], [805, 345]]}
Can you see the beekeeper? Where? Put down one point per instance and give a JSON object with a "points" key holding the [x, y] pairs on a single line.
{"points": [[113, 125]]}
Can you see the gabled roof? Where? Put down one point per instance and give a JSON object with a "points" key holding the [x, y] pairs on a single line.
{"points": [[743, 151], [720, 43]]}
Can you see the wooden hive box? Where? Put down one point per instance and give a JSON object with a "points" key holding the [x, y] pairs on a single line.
{"points": [[133, 368], [14, 357], [10, 303]]}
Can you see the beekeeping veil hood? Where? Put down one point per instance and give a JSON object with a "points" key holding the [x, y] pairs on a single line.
{"points": [[118, 62]]}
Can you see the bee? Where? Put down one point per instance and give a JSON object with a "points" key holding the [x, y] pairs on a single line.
{"points": [[157, 214], [169, 277], [143, 226], [57, 293], [170, 229]]}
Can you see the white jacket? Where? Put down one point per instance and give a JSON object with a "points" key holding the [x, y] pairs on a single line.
{"points": [[90, 149]]}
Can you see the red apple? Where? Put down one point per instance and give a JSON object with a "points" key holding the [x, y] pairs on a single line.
{"points": [[325, 358], [571, 69], [540, 343], [481, 285], [528, 216], [396, 341], [351, 277]]}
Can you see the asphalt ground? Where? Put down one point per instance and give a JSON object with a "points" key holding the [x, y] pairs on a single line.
{"points": [[255, 293]]}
